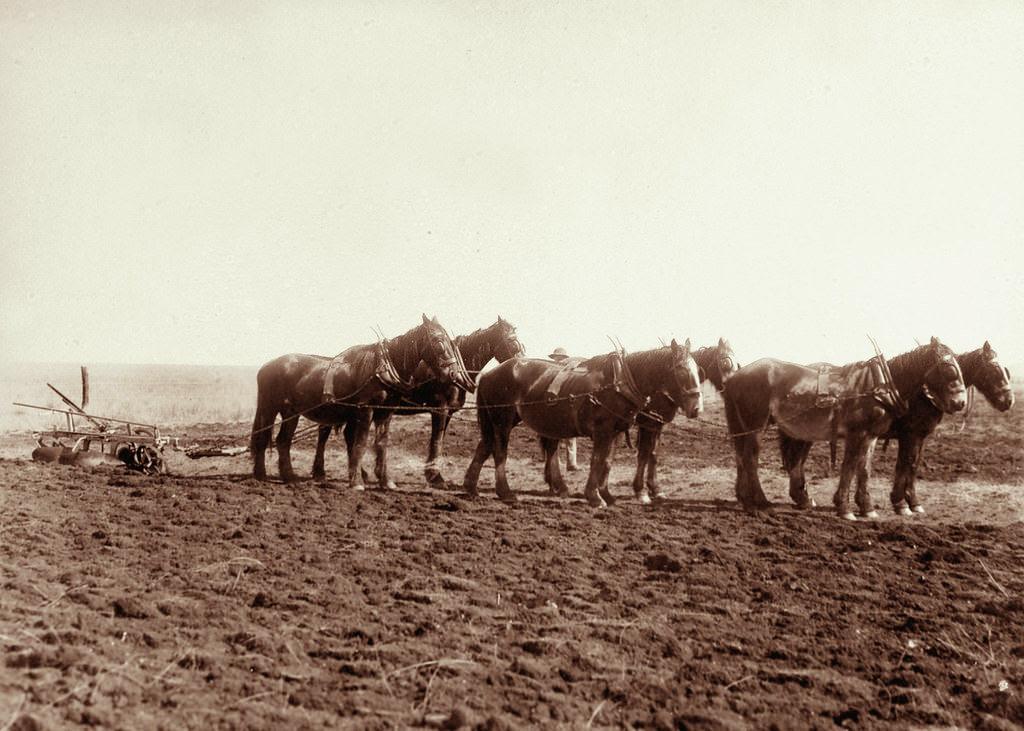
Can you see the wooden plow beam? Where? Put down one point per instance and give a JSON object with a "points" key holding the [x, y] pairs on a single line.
{"points": [[103, 430]]}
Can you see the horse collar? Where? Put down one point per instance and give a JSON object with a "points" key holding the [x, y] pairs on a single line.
{"points": [[885, 391], [623, 381], [329, 378], [387, 373]]}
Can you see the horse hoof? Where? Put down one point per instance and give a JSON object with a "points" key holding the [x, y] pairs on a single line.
{"points": [[436, 480], [870, 515], [918, 508], [644, 498], [359, 487], [905, 511], [596, 502], [848, 516]]}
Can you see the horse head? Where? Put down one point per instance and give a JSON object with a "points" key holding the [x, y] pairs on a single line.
{"points": [[723, 364], [992, 379], [440, 353], [683, 387], [944, 380], [508, 346]]}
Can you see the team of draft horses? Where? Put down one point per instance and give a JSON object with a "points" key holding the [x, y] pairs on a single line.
{"points": [[426, 370]]}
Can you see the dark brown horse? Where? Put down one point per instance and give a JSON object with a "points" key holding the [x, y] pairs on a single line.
{"points": [[599, 398], [857, 402], [441, 399], [714, 364], [344, 389], [982, 370]]}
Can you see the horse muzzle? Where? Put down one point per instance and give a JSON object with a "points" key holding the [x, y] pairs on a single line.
{"points": [[1005, 399], [957, 401], [694, 406], [954, 401]]}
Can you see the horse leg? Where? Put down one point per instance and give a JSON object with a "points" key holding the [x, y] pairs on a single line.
{"points": [[322, 434], [438, 427], [262, 426], [863, 498], [284, 446], [502, 422], [794, 455], [746, 423], [570, 455], [382, 432], [484, 449], [596, 492], [748, 484], [349, 432], [360, 434], [646, 446], [496, 423], [903, 489], [850, 469], [552, 470]]}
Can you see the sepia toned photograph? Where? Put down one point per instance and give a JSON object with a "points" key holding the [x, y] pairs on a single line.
{"points": [[515, 365]]}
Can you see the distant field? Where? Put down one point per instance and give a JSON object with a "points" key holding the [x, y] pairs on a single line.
{"points": [[183, 395], [165, 395]]}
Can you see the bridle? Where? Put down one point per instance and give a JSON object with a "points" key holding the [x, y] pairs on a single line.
{"points": [[680, 386], [944, 360]]}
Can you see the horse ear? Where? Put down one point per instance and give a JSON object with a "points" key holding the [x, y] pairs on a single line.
{"points": [[935, 341], [986, 348], [425, 320], [722, 342]]}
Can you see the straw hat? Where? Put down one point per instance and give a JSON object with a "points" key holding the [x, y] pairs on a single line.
{"points": [[558, 354]]}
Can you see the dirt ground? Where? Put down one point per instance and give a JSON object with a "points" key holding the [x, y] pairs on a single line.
{"points": [[203, 599]]}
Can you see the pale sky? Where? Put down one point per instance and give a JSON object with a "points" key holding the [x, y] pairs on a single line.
{"points": [[223, 182]]}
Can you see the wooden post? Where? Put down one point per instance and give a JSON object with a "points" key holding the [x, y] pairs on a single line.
{"points": [[85, 388]]}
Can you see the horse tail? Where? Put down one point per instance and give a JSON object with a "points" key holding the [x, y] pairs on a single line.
{"points": [[484, 419], [263, 422]]}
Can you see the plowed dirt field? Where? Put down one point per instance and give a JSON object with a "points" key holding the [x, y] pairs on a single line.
{"points": [[204, 599]]}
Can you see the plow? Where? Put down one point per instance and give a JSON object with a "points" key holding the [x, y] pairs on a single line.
{"points": [[90, 440]]}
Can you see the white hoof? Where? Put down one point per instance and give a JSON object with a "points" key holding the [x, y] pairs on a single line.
{"points": [[391, 485], [918, 508], [871, 514], [848, 516], [905, 511], [645, 499]]}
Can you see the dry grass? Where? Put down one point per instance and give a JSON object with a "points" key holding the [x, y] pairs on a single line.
{"points": [[164, 395]]}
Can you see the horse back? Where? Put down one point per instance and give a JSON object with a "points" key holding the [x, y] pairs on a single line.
{"points": [[297, 381]]}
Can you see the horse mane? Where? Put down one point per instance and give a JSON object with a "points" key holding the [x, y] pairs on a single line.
{"points": [[705, 357], [646, 358], [908, 368], [405, 349], [971, 364], [471, 346], [465, 342]]}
